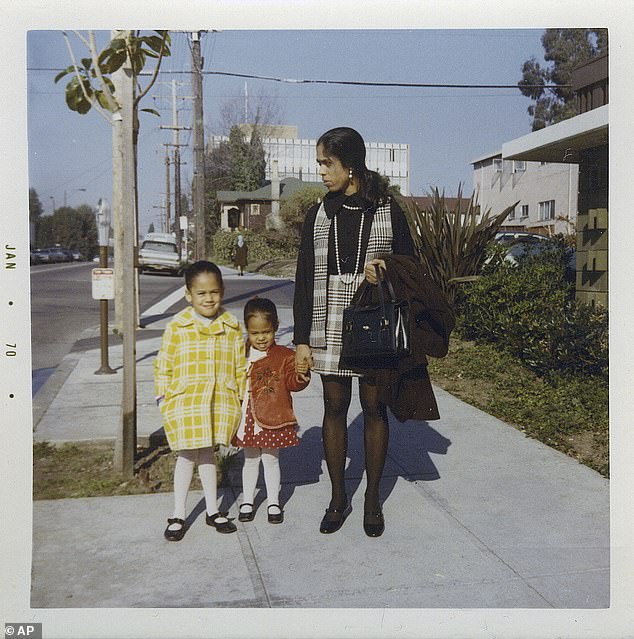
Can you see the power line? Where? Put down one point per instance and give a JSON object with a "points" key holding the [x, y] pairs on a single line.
{"points": [[412, 85]]}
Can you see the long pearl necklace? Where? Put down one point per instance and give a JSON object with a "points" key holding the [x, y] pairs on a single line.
{"points": [[348, 278]]}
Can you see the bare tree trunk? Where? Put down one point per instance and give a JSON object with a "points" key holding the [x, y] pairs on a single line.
{"points": [[125, 444]]}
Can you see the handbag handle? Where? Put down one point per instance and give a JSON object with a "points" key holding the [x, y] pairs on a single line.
{"points": [[384, 281]]}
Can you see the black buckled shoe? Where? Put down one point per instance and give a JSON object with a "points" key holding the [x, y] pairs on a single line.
{"points": [[330, 524], [275, 518], [221, 526], [247, 515], [178, 533], [373, 523]]}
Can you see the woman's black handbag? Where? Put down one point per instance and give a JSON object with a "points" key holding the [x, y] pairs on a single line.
{"points": [[376, 336]]}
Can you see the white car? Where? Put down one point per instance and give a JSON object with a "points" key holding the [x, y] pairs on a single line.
{"points": [[159, 252]]}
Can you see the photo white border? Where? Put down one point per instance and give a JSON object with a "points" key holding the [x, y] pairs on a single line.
{"points": [[15, 372]]}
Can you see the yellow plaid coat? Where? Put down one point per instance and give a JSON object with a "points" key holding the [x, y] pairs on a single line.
{"points": [[201, 371]]}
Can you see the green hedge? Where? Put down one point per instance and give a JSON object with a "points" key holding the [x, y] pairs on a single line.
{"points": [[263, 245], [529, 311]]}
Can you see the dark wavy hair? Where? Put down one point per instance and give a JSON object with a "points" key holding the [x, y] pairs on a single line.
{"points": [[202, 266], [348, 146], [261, 306]]}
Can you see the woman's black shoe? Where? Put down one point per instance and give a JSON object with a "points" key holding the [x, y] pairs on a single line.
{"points": [[331, 524], [373, 523], [221, 527], [246, 516], [275, 518], [175, 535]]}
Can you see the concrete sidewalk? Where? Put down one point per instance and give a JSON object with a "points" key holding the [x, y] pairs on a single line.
{"points": [[477, 516]]}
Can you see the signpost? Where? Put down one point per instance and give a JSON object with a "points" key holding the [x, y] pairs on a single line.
{"points": [[103, 282]]}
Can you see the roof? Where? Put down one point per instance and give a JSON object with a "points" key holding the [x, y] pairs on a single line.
{"points": [[561, 142], [488, 156], [288, 186], [425, 201]]}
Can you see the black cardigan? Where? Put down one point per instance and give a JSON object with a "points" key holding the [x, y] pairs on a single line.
{"points": [[402, 244]]}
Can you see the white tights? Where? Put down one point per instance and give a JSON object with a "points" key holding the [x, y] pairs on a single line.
{"points": [[271, 464], [183, 472]]}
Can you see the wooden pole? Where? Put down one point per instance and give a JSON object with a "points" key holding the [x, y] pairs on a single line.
{"points": [[198, 184], [125, 446]]}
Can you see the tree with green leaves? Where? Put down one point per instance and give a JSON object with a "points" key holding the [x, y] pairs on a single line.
{"points": [[564, 49], [293, 209], [248, 162], [91, 87], [74, 228]]}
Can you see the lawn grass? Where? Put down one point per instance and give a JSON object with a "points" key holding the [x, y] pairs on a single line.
{"points": [[85, 469]]}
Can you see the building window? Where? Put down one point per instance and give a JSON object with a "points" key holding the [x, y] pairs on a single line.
{"points": [[519, 166], [524, 211], [497, 165], [255, 209], [512, 214], [547, 210], [391, 155]]}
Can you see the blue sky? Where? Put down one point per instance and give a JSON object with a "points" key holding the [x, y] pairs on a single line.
{"points": [[445, 128]]}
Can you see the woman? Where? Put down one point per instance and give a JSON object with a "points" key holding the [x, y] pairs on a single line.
{"points": [[341, 240], [240, 254]]}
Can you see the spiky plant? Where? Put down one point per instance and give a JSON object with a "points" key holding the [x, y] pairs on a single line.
{"points": [[452, 243]]}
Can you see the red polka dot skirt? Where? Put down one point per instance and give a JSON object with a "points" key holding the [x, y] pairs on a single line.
{"points": [[267, 437]]}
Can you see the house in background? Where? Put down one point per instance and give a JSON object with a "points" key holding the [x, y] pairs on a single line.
{"points": [[547, 193], [581, 141], [258, 209]]}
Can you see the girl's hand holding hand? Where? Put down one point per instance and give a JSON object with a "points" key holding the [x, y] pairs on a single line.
{"points": [[370, 272]]}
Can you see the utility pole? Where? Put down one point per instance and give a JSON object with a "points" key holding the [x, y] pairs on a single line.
{"points": [[177, 163], [198, 183], [167, 191], [125, 444]]}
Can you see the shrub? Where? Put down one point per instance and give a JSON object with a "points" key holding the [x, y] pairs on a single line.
{"points": [[529, 311], [452, 244], [293, 209], [263, 245]]}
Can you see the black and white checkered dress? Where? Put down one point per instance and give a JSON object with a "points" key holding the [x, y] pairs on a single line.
{"points": [[332, 295]]}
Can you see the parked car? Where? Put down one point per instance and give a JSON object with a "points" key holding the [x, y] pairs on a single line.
{"points": [[50, 255], [77, 256], [523, 244], [511, 237], [68, 254], [159, 252]]}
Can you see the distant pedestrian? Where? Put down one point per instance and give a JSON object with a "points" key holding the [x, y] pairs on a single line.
{"points": [[200, 375], [240, 255], [268, 421]]}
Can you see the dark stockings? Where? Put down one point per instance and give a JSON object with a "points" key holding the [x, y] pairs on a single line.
{"points": [[337, 395], [375, 437]]}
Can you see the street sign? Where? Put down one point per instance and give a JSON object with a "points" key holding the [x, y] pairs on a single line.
{"points": [[103, 283]]}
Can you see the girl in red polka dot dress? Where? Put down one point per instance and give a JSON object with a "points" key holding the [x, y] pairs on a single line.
{"points": [[268, 421]]}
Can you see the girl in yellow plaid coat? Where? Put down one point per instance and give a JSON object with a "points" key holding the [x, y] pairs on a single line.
{"points": [[200, 375]]}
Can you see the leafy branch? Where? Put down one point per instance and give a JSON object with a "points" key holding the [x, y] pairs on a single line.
{"points": [[90, 87]]}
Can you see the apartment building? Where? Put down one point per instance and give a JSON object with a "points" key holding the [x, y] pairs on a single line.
{"points": [[546, 192]]}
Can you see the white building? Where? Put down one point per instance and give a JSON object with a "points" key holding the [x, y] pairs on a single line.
{"points": [[547, 193], [296, 157]]}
